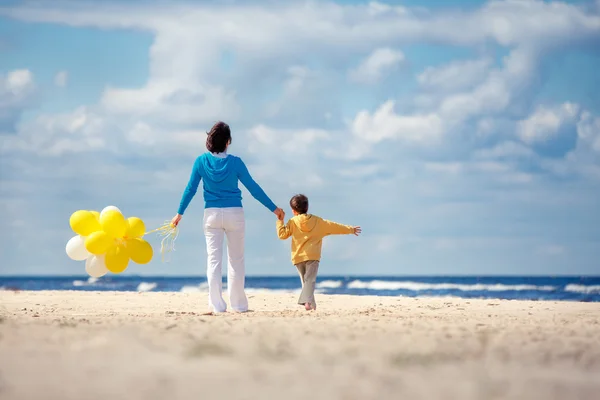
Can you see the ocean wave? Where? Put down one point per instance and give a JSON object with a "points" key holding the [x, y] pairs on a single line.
{"points": [[146, 286], [91, 280], [418, 286], [329, 284], [582, 288], [272, 291], [203, 287]]}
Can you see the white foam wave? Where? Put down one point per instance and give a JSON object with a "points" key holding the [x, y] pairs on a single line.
{"points": [[146, 286], [329, 284], [271, 291], [582, 288], [418, 286], [203, 287], [91, 280]]}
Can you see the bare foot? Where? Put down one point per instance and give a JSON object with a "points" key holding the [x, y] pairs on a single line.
{"points": [[307, 306]]}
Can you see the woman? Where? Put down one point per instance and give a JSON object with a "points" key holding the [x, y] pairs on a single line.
{"points": [[223, 215]]}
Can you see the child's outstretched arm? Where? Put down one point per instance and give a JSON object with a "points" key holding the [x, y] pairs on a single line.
{"points": [[284, 231], [333, 228]]}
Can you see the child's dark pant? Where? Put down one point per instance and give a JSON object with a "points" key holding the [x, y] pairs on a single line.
{"points": [[308, 275]]}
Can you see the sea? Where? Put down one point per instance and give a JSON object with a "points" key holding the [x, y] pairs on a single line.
{"points": [[555, 288]]}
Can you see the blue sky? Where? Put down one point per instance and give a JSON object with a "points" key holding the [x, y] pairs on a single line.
{"points": [[463, 136]]}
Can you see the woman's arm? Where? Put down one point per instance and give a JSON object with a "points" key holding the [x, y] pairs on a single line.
{"points": [[253, 187], [191, 188]]}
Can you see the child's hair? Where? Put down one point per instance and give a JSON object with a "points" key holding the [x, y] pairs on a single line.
{"points": [[218, 137], [299, 203]]}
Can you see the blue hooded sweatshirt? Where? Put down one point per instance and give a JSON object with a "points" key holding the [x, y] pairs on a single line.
{"points": [[220, 177]]}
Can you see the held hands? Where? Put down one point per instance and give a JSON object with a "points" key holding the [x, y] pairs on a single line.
{"points": [[357, 230], [279, 213], [176, 219]]}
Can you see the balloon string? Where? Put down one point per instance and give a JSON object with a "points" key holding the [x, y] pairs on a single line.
{"points": [[169, 234]]}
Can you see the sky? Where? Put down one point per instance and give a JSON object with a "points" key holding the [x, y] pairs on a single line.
{"points": [[462, 136]]}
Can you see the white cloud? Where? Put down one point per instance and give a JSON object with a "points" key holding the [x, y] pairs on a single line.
{"points": [[379, 63], [504, 150], [324, 24], [447, 111], [298, 84], [452, 168], [262, 138], [298, 76], [18, 82], [90, 129], [456, 75], [384, 123], [181, 104], [61, 78], [288, 158], [515, 21], [186, 84], [258, 34], [181, 90], [545, 123], [494, 94], [17, 90], [56, 135], [588, 130], [492, 171]]}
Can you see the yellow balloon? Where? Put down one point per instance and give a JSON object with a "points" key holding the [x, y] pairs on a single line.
{"points": [[83, 223], [135, 228], [140, 251], [97, 215], [98, 242], [117, 259], [114, 223]]}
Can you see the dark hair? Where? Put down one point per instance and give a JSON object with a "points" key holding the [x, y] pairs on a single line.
{"points": [[299, 203], [218, 137]]}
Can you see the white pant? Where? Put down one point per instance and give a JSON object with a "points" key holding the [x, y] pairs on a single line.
{"points": [[219, 222]]}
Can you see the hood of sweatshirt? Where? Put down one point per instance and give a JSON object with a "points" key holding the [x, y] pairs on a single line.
{"points": [[218, 169], [306, 222]]}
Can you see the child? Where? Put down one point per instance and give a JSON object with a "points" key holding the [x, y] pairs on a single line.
{"points": [[307, 232]]}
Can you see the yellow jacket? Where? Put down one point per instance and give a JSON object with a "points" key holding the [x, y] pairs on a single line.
{"points": [[307, 232]]}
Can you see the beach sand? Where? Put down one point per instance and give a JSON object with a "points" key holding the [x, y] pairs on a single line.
{"points": [[115, 345]]}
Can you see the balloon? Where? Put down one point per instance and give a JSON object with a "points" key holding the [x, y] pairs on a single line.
{"points": [[76, 248], [117, 259], [97, 215], [105, 209], [113, 223], [95, 266], [83, 223], [98, 242], [140, 251], [135, 228]]}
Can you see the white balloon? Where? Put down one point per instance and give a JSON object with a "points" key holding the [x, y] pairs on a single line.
{"points": [[76, 248], [108, 209], [95, 266]]}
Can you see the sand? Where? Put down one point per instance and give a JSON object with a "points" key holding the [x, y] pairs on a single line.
{"points": [[90, 345]]}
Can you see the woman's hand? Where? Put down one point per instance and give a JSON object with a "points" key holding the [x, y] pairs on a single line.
{"points": [[176, 219], [280, 213]]}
